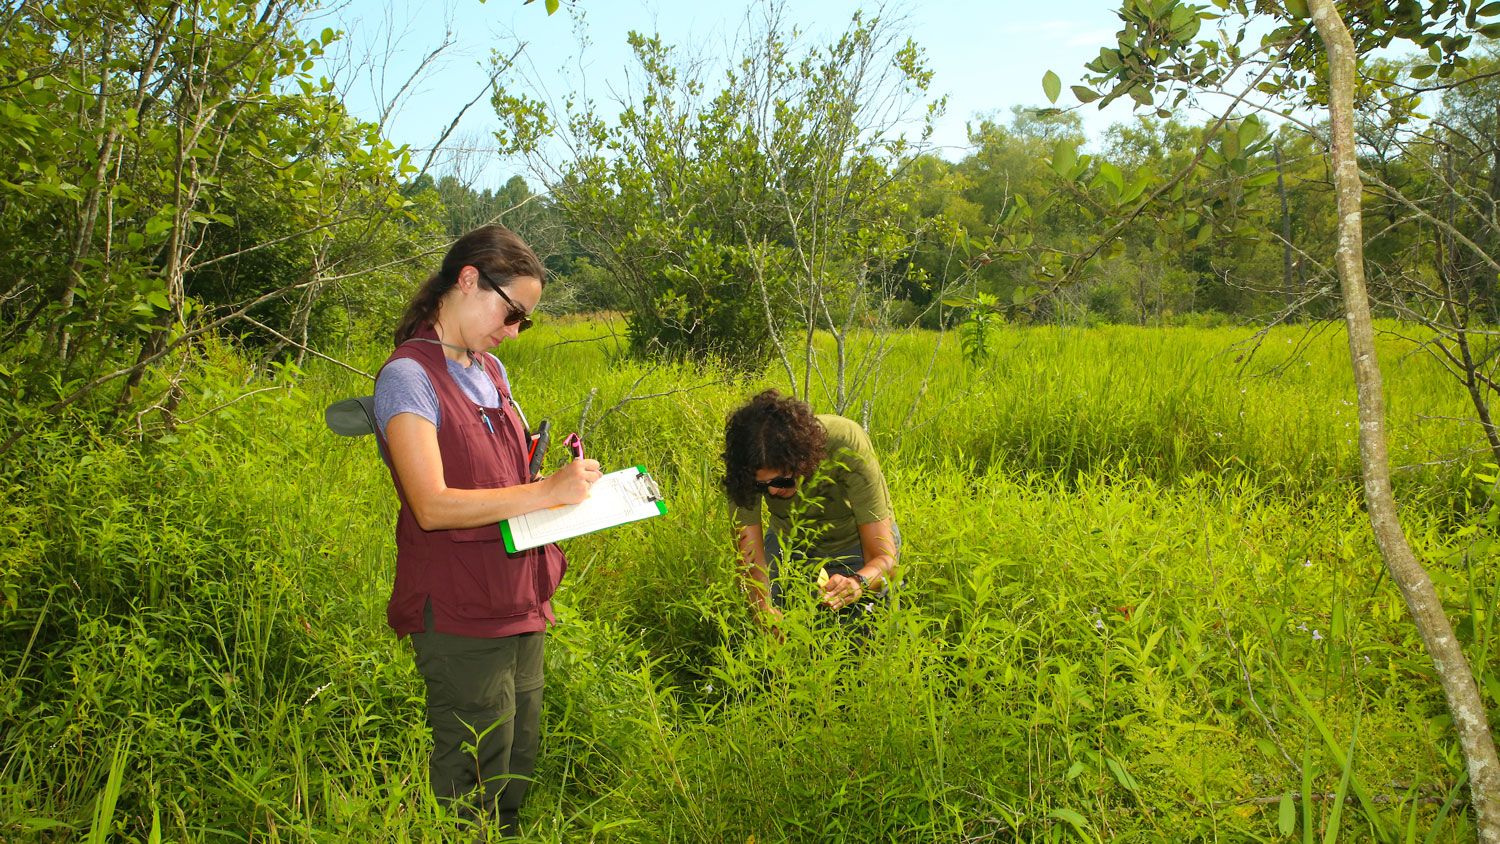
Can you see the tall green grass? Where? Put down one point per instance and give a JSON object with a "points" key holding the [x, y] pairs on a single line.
{"points": [[1139, 603]]}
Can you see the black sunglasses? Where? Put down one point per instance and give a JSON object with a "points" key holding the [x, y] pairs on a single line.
{"points": [[518, 315], [782, 482]]}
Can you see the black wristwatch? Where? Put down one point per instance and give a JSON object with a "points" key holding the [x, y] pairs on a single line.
{"points": [[864, 582]]}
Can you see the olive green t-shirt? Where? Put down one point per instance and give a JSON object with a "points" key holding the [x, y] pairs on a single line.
{"points": [[848, 490]]}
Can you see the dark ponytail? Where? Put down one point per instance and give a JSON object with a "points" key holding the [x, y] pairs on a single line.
{"points": [[494, 250]]}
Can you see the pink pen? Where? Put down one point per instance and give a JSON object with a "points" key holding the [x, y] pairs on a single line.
{"points": [[575, 445]]}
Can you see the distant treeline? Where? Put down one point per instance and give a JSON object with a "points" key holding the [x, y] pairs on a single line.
{"points": [[184, 175]]}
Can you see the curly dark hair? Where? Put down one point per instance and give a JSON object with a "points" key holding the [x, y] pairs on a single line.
{"points": [[771, 431]]}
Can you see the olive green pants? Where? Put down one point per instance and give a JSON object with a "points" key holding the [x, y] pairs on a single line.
{"points": [[484, 706]]}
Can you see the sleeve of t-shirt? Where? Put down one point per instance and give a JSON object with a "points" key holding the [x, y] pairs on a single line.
{"points": [[403, 387], [747, 516], [869, 497]]}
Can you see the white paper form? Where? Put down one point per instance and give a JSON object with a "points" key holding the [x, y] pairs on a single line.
{"points": [[620, 497]]}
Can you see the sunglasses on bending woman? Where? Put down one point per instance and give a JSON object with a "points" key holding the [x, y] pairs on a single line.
{"points": [[518, 315], [782, 482]]}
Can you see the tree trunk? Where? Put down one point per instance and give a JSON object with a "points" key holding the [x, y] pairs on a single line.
{"points": [[1459, 303], [1422, 603], [1288, 288], [89, 214], [1489, 302]]}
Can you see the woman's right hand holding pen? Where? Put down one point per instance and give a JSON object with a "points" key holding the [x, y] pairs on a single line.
{"points": [[570, 484]]}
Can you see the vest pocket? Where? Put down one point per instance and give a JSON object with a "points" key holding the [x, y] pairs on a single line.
{"points": [[478, 463], [493, 586], [487, 533]]}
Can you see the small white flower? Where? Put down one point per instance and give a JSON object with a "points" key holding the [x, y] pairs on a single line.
{"points": [[1317, 637], [1098, 624], [316, 692], [1307, 564]]}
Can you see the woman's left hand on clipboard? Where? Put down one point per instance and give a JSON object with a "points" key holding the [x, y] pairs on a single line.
{"points": [[570, 484]]}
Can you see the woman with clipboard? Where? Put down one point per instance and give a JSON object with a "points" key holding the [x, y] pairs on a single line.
{"points": [[818, 479], [457, 449]]}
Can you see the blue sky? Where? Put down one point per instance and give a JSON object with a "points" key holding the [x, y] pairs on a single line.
{"points": [[987, 55]]}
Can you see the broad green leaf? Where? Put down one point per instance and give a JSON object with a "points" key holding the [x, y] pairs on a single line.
{"points": [[1071, 818], [1064, 156], [1250, 129], [1230, 144], [158, 224], [1121, 775], [1286, 816], [1136, 188], [1298, 9], [1488, 10], [553, 6], [1084, 95], [1111, 174], [1051, 86]]}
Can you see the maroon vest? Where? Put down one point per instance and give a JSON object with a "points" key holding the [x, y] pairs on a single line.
{"points": [[475, 586]]}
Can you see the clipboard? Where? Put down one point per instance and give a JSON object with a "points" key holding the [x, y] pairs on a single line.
{"points": [[620, 497]]}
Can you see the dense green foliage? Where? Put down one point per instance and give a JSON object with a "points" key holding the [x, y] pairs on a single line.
{"points": [[728, 216], [1140, 602], [179, 173], [1140, 597]]}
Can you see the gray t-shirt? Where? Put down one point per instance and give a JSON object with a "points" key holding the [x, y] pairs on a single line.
{"points": [[403, 387]]}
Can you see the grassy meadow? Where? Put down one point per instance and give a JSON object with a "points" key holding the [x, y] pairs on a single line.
{"points": [[1140, 603]]}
